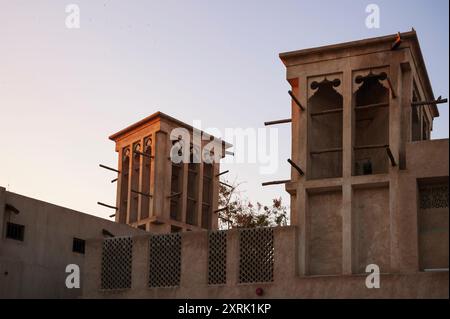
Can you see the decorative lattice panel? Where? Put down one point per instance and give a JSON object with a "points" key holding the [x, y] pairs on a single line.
{"points": [[256, 255], [217, 258], [165, 260], [434, 197], [116, 263]]}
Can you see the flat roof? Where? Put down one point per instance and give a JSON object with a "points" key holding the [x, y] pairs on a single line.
{"points": [[155, 116]]}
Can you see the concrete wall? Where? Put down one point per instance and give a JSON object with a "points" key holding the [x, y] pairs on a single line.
{"points": [[35, 268]]}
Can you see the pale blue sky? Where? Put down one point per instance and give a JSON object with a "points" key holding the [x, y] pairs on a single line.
{"points": [[63, 92]]}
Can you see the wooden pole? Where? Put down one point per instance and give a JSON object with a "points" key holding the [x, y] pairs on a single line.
{"points": [[296, 100], [299, 170], [391, 157], [276, 182], [109, 168], [278, 122], [105, 205]]}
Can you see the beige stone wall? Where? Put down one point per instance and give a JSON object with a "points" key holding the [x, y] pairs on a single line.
{"points": [[35, 268], [286, 282]]}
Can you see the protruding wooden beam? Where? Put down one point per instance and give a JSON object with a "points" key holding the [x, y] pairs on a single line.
{"points": [[439, 100], [276, 182], [174, 195], [106, 205], [143, 154], [113, 215], [229, 153], [222, 173], [220, 210], [140, 193], [225, 184], [391, 156], [296, 100], [114, 180], [278, 122], [109, 168], [299, 170]]}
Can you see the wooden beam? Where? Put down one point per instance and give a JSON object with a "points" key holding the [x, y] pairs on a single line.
{"points": [[140, 193], [296, 100], [174, 195], [225, 184], [327, 150], [278, 122], [113, 215], [391, 156], [220, 210], [276, 182], [371, 106], [336, 110], [114, 180], [109, 168], [143, 154], [222, 173], [299, 170], [440, 100], [106, 205], [368, 147]]}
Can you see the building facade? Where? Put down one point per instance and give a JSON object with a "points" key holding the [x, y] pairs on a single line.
{"points": [[159, 193], [38, 241], [368, 188]]}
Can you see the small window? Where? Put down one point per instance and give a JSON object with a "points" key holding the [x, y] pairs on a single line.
{"points": [[78, 245], [15, 231]]}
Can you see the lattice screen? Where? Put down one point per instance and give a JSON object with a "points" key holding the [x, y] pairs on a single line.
{"points": [[165, 260], [217, 258], [435, 196], [256, 255], [116, 263]]}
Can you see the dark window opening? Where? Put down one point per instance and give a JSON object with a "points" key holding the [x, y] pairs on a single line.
{"points": [[78, 245], [325, 130], [15, 231], [207, 195], [371, 125]]}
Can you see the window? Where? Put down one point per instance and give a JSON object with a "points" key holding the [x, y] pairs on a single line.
{"points": [[325, 118], [192, 190], [371, 123], [15, 231], [78, 245]]}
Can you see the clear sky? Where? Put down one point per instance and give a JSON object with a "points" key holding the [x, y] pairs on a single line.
{"points": [[64, 91]]}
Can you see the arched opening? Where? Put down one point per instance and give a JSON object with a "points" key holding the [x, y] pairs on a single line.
{"points": [[325, 130]]}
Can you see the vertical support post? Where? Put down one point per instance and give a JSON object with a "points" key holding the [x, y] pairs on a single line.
{"points": [[347, 169], [130, 184], [161, 153], [141, 177]]}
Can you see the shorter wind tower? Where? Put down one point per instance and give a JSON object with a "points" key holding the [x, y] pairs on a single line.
{"points": [[154, 192]]}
